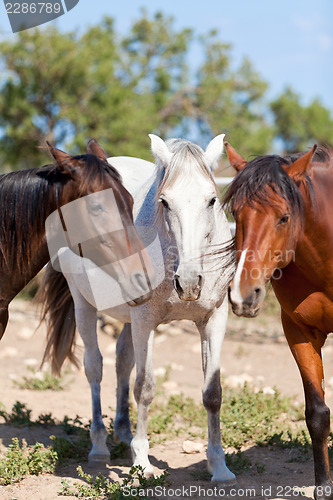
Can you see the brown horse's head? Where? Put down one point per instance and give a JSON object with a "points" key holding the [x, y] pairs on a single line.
{"points": [[266, 201], [96, 216]]}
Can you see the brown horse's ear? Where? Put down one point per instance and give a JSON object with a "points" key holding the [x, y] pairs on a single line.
{"points": [[65, 163], [299, 169], [95, 149], [59, 156], [235, 159]]}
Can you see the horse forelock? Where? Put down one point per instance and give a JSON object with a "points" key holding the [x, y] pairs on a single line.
{"points": [[95, 174], [186, 162], [256, 184]]}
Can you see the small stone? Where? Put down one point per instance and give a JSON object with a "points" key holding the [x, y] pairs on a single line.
{"points": [[31, 362], [268, 390], [111, 348], [192, 447], [160, 339], [160, 372], [107, 361], [8, 352], [176, 367], [196, 348], [170, 385], [25, 333], [235, 381]]}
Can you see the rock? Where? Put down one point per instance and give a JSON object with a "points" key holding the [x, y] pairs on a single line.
{"points": [[8, 352], [235, 381], [25, 333], [176, 367], [330, 382], [160, 338], [160, 371], [196, 348], [31, 362], [268, 390], [192, 447], [170, 385], [109, 361], [111, 348]]}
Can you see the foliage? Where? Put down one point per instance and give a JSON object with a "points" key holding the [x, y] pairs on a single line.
{"points": [[67, 87], [20, 415], [40, 381], [75, 448], [298, 126], [21, 461], [249, 416], [102, 487]]}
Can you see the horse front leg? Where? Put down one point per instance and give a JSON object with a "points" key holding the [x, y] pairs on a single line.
{"points": [[212, 334], [308, 358], [86, 321], [144, 390], [124, 366]]}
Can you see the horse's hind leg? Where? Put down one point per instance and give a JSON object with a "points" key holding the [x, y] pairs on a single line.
{"points": [[308, 358], [212, 334], [86, 320], [124, 366], [3, 318]]}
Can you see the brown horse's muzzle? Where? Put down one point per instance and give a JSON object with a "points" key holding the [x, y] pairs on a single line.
{"points": [[250, 305]]}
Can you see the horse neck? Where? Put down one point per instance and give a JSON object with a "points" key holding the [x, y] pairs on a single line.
{"points": [[314, 245]]}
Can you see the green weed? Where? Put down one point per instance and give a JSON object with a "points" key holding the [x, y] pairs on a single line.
{"points": [[76, 448], [21, 461], [40, 381], [247, 416], [102, 487], [20, 415]]}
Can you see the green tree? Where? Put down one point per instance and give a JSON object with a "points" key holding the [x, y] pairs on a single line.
{"points": [[298, 126], [66, 88], [232, 101]]}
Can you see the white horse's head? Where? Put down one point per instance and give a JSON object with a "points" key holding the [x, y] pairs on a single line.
{"points": [[187, 201]]}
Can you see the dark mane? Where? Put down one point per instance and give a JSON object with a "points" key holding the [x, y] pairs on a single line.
{"points": [[256, 181], [28, 197]]}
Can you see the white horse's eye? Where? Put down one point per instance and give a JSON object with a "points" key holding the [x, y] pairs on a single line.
{"points": [[212, 202], [164, 203]]}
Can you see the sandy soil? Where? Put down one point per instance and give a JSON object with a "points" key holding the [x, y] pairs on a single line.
{"points": [[253, 349]]}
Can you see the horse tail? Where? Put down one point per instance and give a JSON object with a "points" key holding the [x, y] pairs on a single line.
{"points": [[58, 311]]}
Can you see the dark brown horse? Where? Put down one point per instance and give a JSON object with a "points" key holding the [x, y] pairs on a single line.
{"points": [[284, 233], [28, 197]]}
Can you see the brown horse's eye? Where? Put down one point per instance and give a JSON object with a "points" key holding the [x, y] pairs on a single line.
{"points": [[283, 220]]}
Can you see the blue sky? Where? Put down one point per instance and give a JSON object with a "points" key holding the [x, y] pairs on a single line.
{"points": [[290, 42]]}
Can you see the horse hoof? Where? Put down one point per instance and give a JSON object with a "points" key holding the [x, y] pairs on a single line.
{"points": [[122, 437], [224, 483], [98, 459]]}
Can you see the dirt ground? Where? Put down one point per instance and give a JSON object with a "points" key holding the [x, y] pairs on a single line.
{"points": [[253, 350]]}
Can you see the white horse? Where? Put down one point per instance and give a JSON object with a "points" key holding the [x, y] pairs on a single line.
{"points": [[177, 201]]}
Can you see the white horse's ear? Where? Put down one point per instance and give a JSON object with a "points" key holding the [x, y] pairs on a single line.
{"points": [[160, 150], [214, 151]]}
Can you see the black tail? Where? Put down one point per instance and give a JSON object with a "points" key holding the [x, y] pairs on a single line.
{"points": [[58, 311]]}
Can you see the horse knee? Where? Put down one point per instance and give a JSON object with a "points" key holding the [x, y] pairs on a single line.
{"points": [[212, 396], [318, 419], [144, 389]]}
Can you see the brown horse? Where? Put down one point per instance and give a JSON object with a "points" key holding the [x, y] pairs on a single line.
{"points": [[29, 197], [284, 233]]}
